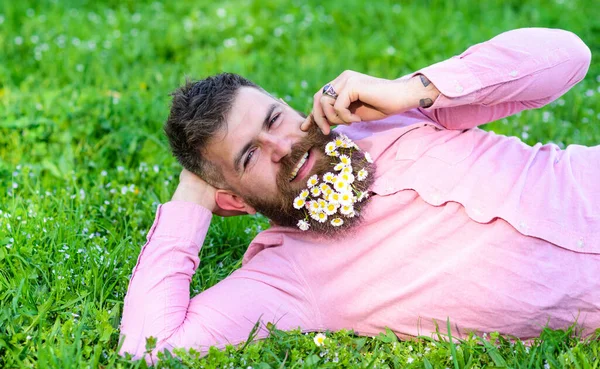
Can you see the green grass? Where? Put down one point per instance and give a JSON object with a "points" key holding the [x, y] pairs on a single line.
{"points": [[83, 162]]}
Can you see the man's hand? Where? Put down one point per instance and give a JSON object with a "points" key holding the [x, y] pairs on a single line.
{"points": [[365, 98], [194, 189]]}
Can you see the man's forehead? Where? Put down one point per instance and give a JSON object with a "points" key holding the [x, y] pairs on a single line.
{"points": [[246, 113]]}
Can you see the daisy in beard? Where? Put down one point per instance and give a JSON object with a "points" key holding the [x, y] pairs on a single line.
{"points": [[312, 181], [347, 198], [313, 205], [347, 177], [336, 222], [340, 185], [344, 159], [339, 166], [331, 208], [362, 174], [303, 225], [328, 177], [347, 169], [346, 209], [368, 157], [315, 191], [304, 194], [299, 202], [322, 204], [363, 195], [325, 188], [334, 197]]}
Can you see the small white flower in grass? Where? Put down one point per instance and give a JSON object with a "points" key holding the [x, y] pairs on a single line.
{"points": [[336, 222], [362, 174], [368, 157], [315, 191], [299, 202], [328, 177], [319, 339], [312, 181], [304, 194], [303, 225], [410, 360]]}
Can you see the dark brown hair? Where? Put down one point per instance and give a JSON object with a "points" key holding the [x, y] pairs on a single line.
{"points": [[198, 110]]}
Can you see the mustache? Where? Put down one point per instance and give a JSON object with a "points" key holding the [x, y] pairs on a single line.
{"points": [[314, 138]]}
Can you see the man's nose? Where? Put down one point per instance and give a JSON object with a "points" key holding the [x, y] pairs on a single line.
{"points": [[279, 146]]}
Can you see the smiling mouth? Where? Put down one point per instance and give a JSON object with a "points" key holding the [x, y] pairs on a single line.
{"points": [[299, 166]]}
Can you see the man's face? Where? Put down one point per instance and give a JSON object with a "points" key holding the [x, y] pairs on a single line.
{"points": [[264, 156]]}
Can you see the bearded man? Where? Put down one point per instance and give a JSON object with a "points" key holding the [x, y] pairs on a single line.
{"points": [[406, 216]]}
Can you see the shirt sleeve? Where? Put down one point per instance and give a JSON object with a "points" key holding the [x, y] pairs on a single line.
{"points": [[158, 300], [516, 70]]}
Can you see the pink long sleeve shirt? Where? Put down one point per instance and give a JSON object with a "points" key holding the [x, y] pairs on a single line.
{"points": [[464, 224]]}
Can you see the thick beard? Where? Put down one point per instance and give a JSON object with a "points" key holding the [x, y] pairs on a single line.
{"points": [[281, 211]]}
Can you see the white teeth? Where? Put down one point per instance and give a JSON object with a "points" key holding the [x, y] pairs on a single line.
{"points": [[298, 166]]}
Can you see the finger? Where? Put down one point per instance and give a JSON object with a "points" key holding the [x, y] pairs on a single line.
{"points": [[327, 105], [342, 108], [307, 122], [318, 115]]}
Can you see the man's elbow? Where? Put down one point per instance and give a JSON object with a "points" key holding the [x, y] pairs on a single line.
{"points": [[580, 54]]}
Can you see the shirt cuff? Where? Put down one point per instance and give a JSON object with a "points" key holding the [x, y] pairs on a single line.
{"points": [[454, 80], [182, 220]]}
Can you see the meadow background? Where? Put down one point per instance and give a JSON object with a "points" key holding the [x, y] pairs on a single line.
{"points": [[84, 91]]}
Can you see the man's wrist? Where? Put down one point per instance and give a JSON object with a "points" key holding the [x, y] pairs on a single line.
{"points": [[423, 93]]}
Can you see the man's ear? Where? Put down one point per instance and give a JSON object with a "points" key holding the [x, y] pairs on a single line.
{"points": [[228, 200]]}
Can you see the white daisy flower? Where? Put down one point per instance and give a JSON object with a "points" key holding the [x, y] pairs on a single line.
{"points": [[340, 185], [314, 215], [299, 202], [303, 225], [345, 159], [362, 174], [328, 177], [313, 205], [347, 177], [315, 191], [331, 208], [339, 166], [304, 194], [368, 157], [347, 198], [322, 204], [319, 339], [330, 147], [334, 197], [336, 222], [346, 209], [325, 188], [347, 169], [322, 217], [312, 181], [338, 142]]}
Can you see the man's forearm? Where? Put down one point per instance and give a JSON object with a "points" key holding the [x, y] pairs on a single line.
{"points": [[158, 295]]}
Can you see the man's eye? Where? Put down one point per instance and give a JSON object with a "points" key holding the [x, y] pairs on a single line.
{"points": [[248, 158], [273, 120]]}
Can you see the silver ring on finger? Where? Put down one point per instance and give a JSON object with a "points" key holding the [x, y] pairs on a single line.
{"points": [[330, 91]]}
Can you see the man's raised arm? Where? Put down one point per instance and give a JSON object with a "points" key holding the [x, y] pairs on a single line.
{"points": [[158, 300], [516, 70]]}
